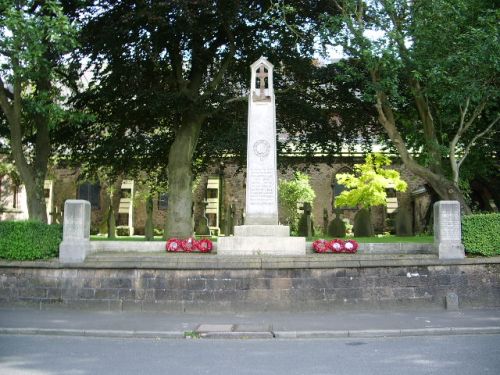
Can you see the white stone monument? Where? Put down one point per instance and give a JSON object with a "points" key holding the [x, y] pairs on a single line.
{"points": [[76, 231], [448, 230], [261, 233]]}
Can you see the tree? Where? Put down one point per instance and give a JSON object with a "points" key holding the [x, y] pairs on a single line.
{"points": [[34, 37], [293, 192], [171, 68], [442, 56], [367, 188], [368, 184]]}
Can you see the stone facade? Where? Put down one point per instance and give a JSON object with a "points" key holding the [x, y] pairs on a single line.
{"points": [[225, 288]]}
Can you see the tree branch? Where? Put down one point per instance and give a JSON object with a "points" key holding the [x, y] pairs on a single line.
{"points": [[225, 62], [475, 138], [4, 102]]}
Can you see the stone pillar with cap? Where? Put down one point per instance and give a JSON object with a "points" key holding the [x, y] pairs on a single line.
{"points": [[448, 230], [75, 245]]}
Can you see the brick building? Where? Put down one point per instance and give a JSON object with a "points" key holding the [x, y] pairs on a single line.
{"points": [[221, 190]]}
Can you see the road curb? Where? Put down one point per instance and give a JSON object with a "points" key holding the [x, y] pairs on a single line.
{"points": [[93, 333], [370, 333], [374, 333]]}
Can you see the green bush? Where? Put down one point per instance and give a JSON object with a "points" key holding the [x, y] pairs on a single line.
{"points": [[122, 231], [363, 226], [29, 240], [337, 228], [481, 234], [302, 226]]}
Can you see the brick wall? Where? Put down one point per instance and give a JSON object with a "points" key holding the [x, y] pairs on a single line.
{"points": [[219, 289]]}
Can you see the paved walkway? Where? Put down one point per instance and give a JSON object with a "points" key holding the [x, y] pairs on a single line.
{"points": [[248, 325]]}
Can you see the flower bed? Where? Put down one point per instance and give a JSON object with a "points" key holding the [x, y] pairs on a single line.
{"points": [[335, 246], [189, 245]]}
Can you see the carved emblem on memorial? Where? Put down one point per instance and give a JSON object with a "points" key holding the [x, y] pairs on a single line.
{"points": [[261, 148]]}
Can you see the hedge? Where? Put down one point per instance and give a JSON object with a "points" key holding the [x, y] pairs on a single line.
{"points": [[29, 240], [481, 234]]}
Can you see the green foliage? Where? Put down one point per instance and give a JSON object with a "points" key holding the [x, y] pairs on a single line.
{"points": [[302, 226], [481, 234], [122, 231], [293, 192], [337, 228], [433, 68], [363, 223], [35, 41], [367, 186], [29, 240]]}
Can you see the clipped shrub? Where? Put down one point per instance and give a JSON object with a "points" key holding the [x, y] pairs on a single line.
{"points": [[302, 226], [403, 223], [29, 240], [122, 231], [481, 234], [363, 226], [337, 228]]}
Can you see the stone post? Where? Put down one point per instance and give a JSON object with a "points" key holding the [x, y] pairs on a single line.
{"points": [[448, 230], [76, 231]]}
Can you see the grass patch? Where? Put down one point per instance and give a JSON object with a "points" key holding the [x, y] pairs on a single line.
{"points": [[137, 238], [383, 239], [123, 238]]}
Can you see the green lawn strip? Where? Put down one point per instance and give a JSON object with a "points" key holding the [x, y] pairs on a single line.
{"points": [[384, 239], [136, 238]]}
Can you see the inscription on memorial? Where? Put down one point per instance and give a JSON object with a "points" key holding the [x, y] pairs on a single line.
{"points": [[449, 224], [261, 187]]}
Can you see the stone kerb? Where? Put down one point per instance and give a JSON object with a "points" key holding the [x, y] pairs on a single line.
{"points": [[76, 232], [448, 230]]}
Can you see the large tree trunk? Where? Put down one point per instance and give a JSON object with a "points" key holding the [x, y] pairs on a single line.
{"points": [[180, 179], [35, 197], [32, 174], [443, 186], [114, 193], [148, 227]]}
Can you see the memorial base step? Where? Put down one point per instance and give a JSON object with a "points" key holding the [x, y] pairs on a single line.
{"points": [[262, 231], [261, 245]]}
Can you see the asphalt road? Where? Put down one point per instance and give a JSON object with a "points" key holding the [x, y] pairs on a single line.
{"points": [[51, 355]]}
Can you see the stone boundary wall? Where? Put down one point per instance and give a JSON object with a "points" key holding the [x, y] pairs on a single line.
{"points": [[278, 286]]}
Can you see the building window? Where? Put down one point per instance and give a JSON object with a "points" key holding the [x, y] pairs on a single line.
{"points": [[162, 201], [90, 192]]}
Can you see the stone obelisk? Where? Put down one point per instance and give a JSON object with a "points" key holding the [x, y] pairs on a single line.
{"points": [[261, 233], [261, 188]]}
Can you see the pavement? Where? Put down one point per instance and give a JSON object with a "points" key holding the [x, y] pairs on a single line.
{"points": [[261, 325]]}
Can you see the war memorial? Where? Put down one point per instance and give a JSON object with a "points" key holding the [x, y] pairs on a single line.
{"points": [[259, 268]]}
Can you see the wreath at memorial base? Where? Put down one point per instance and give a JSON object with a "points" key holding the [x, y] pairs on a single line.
{"points": [[335, 246], [189, 245], [321, 246]]}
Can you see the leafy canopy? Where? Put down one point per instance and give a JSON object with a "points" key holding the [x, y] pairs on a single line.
{"points": [[367, 186], [297, 190]]}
